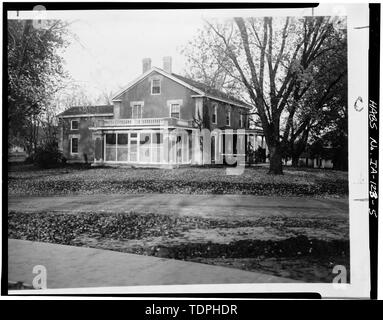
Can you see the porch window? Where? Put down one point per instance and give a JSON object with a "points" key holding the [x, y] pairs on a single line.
{"points": [[228, 116], [74, 145], [133, 151], [156, 86], [175, 110], [214, 115], [110, 139], [122, 147], [110, 147], [145, 147], [157, 145], [158, 138]]}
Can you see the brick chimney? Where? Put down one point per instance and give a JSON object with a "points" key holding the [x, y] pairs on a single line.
{"points": [[167, 64], [146, 64]]}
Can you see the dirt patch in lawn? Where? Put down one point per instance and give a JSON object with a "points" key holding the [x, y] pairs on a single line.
{"points": [[297, 258], [302, 249], [307, 269]]}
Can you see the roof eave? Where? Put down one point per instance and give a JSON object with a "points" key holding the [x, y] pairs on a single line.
{"points": [[144, 75], [223, 100], [82, 115]]}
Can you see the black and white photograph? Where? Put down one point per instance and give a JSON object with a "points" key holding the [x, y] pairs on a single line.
{"points": [[187, 150]]}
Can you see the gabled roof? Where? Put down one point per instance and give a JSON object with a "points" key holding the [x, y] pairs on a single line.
{"points": [[144, 75], [199, 88], [88, 110], [212, 92]]}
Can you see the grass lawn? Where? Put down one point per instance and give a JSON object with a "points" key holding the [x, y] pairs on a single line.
{"points": [[302, 247], [281, 246], [27, 180]]}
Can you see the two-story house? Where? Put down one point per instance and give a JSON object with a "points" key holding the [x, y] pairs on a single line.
{"points": [[158, 119]]}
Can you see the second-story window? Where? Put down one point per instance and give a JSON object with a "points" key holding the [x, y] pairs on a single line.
{"points": [[228, 116], [74, 125], [136, 111], [175, 110], [214, 115], [156, 86]]}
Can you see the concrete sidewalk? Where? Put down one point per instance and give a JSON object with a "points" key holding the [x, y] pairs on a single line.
{"points": [[76, 267], [244, 206]]}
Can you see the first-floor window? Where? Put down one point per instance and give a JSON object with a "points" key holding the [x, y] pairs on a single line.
{"points": [[74, 145], [175, 110]]}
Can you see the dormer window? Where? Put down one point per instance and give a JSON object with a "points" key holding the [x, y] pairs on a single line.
{"points": [[74, 125], [156, 86]]}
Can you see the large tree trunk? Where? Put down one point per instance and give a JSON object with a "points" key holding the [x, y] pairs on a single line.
{"points": [[275, 160], [296, 152], [295, 160]]}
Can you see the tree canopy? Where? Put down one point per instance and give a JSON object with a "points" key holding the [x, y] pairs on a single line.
{"points": [[35, 72], [289, 69]]}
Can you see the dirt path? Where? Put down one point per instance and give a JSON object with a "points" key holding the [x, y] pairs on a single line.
{"points": [[225, 206], [298, 238]]}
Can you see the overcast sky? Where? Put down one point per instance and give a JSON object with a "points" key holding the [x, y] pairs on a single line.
{"points": [[111, 44]]}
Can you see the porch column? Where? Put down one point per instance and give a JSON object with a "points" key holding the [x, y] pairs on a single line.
{"points": [[196, 148], [98, 140], [255, 142]]}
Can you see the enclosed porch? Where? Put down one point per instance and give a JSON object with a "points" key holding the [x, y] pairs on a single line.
{"points": [[143, 147]]}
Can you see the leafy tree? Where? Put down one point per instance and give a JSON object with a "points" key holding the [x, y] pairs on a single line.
{"points": [[277, 62], [330, 139], [314, 110], [35, 73]]}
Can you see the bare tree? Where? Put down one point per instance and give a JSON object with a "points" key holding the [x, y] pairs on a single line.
{"points": [[272, 59]]}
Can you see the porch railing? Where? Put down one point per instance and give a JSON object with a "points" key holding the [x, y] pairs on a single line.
{"points": [[143, 122]]}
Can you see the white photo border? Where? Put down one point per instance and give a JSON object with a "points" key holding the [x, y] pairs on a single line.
{"points": [[359, 286]]}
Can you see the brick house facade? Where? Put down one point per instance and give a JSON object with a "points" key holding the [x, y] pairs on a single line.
{"points": [[157, 120]]}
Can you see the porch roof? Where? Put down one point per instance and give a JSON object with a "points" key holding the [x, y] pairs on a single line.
{"points": [[142, 123]]}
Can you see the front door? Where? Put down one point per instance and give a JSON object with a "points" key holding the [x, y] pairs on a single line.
{"points": [[145, 141], [133, 147]]}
